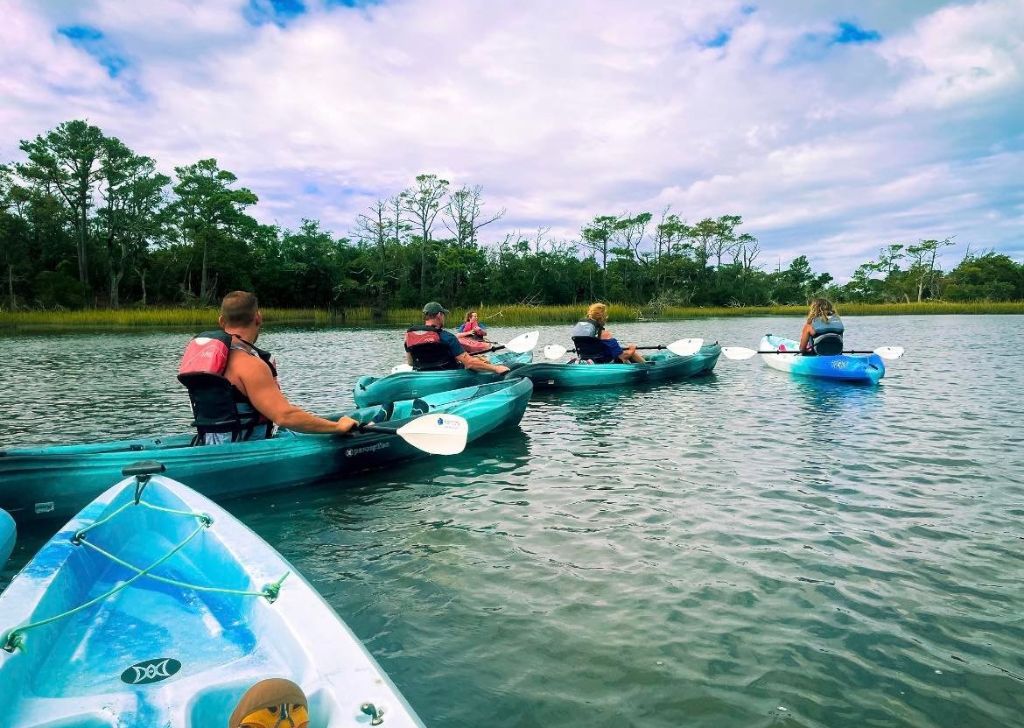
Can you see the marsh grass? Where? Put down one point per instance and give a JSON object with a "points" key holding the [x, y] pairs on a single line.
{"points": [[494, 315]]}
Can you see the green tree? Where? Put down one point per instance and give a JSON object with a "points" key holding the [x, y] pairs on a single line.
{"points": [[210, 215], [67, 159], [423, 204], [132, 214]]}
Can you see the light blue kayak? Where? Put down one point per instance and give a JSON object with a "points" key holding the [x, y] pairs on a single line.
{"points": [[180, 609], [8, 533], [861, 368]]}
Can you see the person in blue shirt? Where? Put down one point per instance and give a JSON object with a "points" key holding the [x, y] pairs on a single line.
{"points": [[430, 347], [596, 344]]}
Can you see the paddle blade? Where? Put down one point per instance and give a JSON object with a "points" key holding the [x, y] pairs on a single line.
{"points": [[440, 434], [399, 368], [738, 353], [685, 347], [554, 351], [523, 343], [889, 352]]}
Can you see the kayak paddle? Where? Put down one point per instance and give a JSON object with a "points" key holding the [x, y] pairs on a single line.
{"points": [[682, 347], [741, 352], [440, 434], [519, 345]]}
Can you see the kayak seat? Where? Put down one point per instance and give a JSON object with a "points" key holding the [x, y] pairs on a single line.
{"points": [[590, 347], [214, 396]]}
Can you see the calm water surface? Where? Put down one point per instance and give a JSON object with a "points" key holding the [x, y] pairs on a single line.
{"points": [[749, 549]]}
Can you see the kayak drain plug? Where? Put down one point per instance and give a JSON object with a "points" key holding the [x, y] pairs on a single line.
{"points": [[376, 714]]}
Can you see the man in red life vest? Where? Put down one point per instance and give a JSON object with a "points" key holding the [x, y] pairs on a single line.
{"points": [[429, 347], [233, 384]]}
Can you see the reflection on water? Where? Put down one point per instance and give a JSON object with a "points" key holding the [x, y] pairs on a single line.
{"points": [[746, 549]]}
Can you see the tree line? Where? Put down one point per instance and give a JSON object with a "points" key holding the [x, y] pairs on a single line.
{"points": [[87, 222]]}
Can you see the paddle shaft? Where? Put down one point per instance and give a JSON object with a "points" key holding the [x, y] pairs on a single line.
{"points": [[639, 348], [846, 351]]}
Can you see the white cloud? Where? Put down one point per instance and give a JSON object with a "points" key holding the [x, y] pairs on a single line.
{"points": [[562, 111]]}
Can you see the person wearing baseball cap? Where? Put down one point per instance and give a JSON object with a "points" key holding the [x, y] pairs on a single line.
{"points": [[429, 347]]}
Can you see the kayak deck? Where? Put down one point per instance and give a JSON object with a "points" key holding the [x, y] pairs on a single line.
{"points": [[156, 653]]}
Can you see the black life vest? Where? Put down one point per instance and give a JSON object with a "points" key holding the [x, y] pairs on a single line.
{"points": [[828, 336], [428, 351], [217, 405], [586, 337]]}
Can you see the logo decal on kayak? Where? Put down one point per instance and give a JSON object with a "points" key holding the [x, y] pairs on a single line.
{"points": [[839, 364], [150, 671], [353, 451]]}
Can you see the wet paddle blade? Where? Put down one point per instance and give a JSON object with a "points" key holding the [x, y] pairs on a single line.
{"points": [[523, 343], [399, 368], [554, 351], [685, 347], [890, 352], [440, 434], [738, 353]]}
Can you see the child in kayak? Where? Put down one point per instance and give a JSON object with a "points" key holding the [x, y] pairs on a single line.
{"points": [[595, 343], [472, 325], [473, 335], [823, 331]]}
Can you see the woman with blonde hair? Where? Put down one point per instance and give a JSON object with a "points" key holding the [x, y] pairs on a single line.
{"points": [[595, 343], [823, 330]]}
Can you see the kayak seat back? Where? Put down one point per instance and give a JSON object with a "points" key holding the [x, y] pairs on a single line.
{"points": [[828, 345], [590, 347], [213, 396]]}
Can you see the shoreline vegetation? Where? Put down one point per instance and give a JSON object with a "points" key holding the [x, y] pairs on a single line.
{"points": [[88, 224], [492, 315]]}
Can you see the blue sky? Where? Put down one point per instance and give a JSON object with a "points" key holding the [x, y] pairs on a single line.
{"points": [[832, 128]]}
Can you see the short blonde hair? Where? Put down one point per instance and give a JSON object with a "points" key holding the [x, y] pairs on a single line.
{"points": [[598, 312]]}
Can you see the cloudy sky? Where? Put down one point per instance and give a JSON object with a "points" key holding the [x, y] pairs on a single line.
{"points": [[831, 127]]}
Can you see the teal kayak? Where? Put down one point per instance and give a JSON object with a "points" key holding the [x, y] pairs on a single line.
{"points": [[661, 366], [8, 534], [162, 609], [859, 368], [409, 385], [59, 480]]}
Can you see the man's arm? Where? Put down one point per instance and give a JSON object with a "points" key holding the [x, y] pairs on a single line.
{"points": [[261, 389], [479, 365]]}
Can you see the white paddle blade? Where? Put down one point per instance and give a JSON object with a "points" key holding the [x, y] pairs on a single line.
{"points": [[554, 351], [399, 368], [738, 353], [889, 352], [685, 347], [523, 343], [440, 434]]}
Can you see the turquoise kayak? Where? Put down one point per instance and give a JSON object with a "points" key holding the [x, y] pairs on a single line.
{"points": [[179, 612], [8, 535], [862, 368], [409, 385], [661, 366], [59, 480]]}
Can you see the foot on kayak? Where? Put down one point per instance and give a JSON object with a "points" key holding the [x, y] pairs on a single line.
{"points": [[272, 703]]}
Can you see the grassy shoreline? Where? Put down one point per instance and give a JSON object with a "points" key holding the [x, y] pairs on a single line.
{"points": [[495, 315]]}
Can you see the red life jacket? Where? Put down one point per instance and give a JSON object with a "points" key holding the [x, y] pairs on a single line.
{"points": [[428, 351], [218, 405]]}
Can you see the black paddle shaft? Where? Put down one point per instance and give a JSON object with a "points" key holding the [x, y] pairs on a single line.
{"points": [[847, 351]]}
